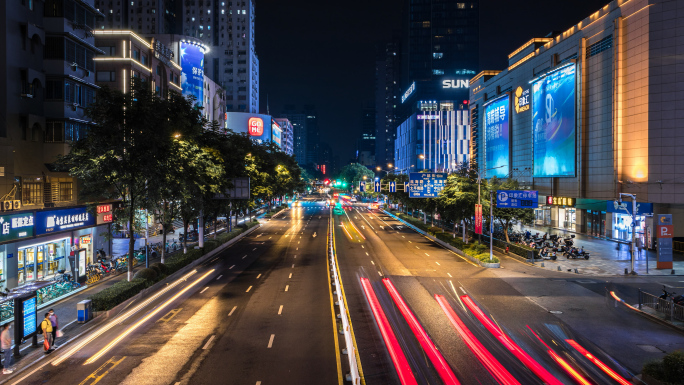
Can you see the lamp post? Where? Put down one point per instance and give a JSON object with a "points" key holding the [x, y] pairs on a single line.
{"points": [[422, 157], [380, 169], [491, 212]]}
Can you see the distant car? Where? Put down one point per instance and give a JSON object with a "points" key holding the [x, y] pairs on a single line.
{"points": [[353, 199]]}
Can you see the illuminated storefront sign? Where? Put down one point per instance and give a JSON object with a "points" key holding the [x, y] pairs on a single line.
{"points": [[60, 220], [521, 100], [256, 126], [452, 83], [104, 214], [16, 226], [560, 201], [497, 133], [192, 73], [408, 92]]}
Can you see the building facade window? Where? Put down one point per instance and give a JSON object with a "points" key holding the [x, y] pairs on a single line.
{"points": [[32, 193]]}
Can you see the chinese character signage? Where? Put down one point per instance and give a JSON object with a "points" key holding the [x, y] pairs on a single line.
{"points": [[104, 214], [553, 123], [426, 184], [497, 142], [512, 199], [61, 220], [665, 234], [560, 201], [478, 219], [192, 73], [16, 226], [521, 100]]}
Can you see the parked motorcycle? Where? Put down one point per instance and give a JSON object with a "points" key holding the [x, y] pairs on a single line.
{"points": [[575, 253], [547, 254]]}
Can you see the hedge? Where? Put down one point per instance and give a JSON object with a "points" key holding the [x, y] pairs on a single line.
{"points": [[668, 371], [123, 290], [117, 293], [476, 250]]}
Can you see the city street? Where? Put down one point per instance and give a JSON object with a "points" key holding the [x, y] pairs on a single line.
{"points": [[252, 314], [376, 246]]}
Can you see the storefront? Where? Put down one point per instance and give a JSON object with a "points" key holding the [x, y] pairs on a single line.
{"points": [[38, 245], [621, 219], [556, 212]]}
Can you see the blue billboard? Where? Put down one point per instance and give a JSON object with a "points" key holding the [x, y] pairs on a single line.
{"points": [[426, 184], [60, 220], [553, 123], [497, 134], [192, 70]]}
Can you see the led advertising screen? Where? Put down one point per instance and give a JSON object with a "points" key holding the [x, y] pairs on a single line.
{"points": [[277, 133], [30, 308], [497, 134], [553, 122], [192, 72]]}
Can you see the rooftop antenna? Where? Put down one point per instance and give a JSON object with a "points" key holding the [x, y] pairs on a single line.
{"points": [[268, 110]]}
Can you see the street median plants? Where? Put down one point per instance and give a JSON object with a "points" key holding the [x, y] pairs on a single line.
{"points": [[144, 278], [668, 371], [475, 249]]}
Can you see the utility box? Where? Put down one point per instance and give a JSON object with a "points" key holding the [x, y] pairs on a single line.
{"points": [[84, 311]]}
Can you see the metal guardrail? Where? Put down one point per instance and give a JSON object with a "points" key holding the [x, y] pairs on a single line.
{"points": [[341, 302], [664, 306]]}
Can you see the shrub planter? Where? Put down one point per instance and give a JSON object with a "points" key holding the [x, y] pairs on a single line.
{"points": [[492, 265]]}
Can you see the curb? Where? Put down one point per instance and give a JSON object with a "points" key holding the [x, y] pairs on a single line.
{"points": [[444, 244], [118, 308], [643, 313]]}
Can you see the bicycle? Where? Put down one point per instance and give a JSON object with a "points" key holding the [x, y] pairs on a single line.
{"points": [[93, 275]]}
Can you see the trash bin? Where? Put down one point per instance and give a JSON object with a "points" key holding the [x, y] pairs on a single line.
{"points": [[84, 311]]}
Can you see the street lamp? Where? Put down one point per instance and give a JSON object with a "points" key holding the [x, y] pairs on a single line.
{"points": [[422, 157], [491, 212]]}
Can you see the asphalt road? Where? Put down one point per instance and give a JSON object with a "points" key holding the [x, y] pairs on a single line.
{"points": [[260, 312], [519, 298]]}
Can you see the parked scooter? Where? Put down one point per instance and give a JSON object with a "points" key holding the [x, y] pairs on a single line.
{"points": [[547, 253], [576, 253], [677, 299]]}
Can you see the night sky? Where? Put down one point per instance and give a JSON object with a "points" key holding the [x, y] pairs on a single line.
{"points": [[323, 53]]}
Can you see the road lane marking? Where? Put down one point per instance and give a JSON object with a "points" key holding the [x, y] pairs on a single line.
{"points": [[293, 265], [373, 263], [362, 247], [427, 254], [380, 273], [297, 249], [280, 311], [232, 310], [258, 383], [248, 289], [96, 377], [211, 339], [287, 287], [270, 341], [290, 275], [254, 249], [437, 263], [417, 247], [449, 274], [410, 242], [244, 257], [167, 317], [219, 277], [367, 253], [258, 276], [270, 237], [230, 268], [203, 290]]}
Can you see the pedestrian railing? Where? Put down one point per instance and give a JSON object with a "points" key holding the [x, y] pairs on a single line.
{"points": [[667, 307]]}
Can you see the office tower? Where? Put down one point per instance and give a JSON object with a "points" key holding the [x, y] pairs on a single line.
{"points": [[387, 88]]}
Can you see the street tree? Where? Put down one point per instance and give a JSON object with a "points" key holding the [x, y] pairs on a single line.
{"points": [[122, 155], [353, 173], [457, 200]]}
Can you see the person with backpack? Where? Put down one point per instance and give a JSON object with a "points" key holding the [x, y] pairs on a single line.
{"points": [[46, 327], [6, 345], [55, 325]]}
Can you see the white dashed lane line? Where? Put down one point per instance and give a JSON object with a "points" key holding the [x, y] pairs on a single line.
{"points": [[231, 312], [205, 289], [280, 311], [270, 341], [258, 276], [248, 289], [287, 287]]}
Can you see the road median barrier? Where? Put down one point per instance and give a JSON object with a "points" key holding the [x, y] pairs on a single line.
{"points": [[355, 371]]}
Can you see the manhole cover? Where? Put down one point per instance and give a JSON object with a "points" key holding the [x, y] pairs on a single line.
{"points": [[650, 348], [556, 312]]}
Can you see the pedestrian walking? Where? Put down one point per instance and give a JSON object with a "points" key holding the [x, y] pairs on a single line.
{"points": [[6, 345], [55, 325], [46, 327]]}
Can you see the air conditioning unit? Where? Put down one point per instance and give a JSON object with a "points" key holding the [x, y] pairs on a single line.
{"points": [[7, 205], [74, 106], [74, 66], [17, 205]]}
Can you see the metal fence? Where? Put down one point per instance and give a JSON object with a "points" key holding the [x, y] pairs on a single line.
{"points": [[664, 306]]}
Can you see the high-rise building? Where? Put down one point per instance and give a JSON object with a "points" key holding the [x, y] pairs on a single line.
{"points": [[365, 146], [387, 88], [313, 136], [225, 27], [288, 135], [440, 38], [298, 120]]}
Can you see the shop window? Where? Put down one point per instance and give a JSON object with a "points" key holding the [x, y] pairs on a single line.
{"points": [[66, 191], [32, 193]]}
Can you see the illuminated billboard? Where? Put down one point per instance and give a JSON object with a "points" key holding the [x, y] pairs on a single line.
{"points": [[276, 133], [553, 123], [497, 134], [192, 72], [255, 126]]}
